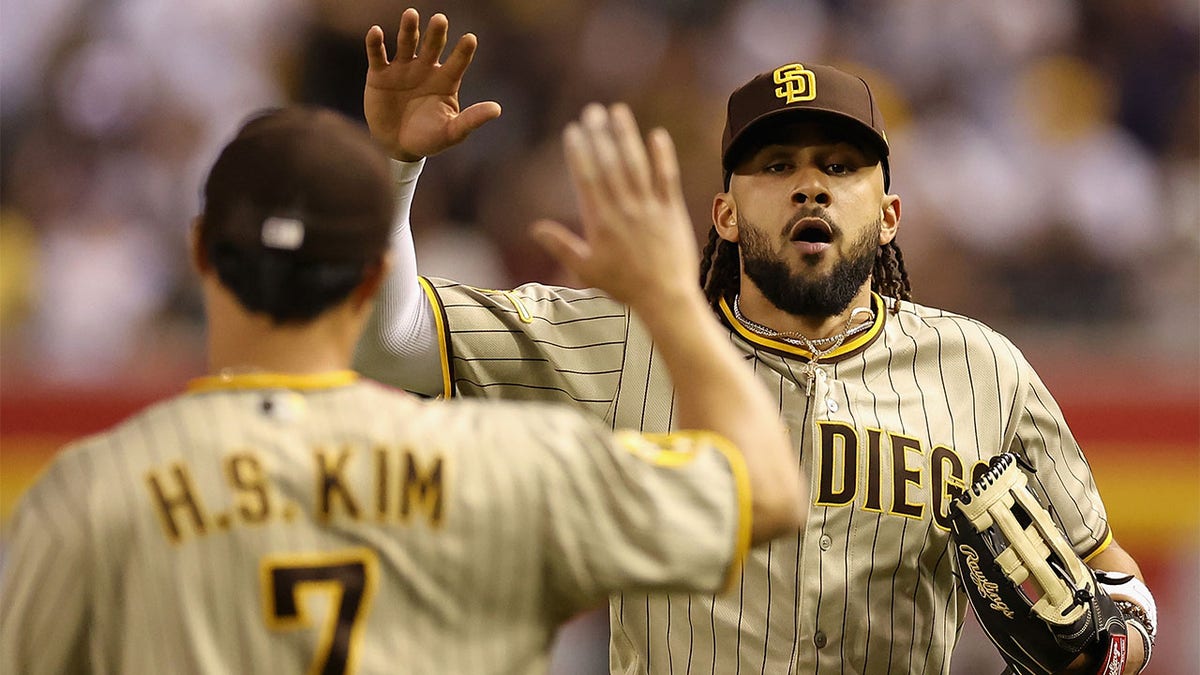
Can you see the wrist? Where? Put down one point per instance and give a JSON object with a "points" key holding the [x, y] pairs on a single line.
{"points": [[406, 171], [1137, 606], [1136, 627], [672, 308]]}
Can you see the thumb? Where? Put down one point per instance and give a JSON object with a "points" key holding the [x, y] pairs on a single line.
{"points": [[561, 243], [474, 117]]}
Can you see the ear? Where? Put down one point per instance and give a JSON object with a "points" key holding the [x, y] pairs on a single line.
{"points": [[889, 218], [724, 217], [199, 256]]}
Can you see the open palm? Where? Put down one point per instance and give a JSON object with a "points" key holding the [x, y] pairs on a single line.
{"points": [[411, 103]]}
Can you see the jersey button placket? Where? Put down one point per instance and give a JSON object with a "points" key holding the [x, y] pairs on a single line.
{"points": [[823, 390]]}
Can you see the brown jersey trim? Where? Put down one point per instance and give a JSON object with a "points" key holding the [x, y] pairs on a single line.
{"points": [[445, 348], [305, 381], [788, 349]]}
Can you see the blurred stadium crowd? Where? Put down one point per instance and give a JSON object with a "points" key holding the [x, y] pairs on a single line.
{"points": [[1046, 150]]}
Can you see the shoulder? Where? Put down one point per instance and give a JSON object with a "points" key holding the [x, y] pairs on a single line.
{"points": [[916, 320], [118, 439], [525, 431], [80, 470], [581, 299], [513, 418]]}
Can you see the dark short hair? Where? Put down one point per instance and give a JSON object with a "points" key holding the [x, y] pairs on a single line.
{"points": [[297, 207]]}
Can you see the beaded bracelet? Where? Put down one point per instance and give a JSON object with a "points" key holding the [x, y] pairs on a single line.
{"points": [[1134, 612]]}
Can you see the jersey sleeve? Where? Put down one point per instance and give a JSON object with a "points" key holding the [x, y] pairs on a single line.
{"points": [[534, 342], [44, 616], [399, 343], [1063, 478], [627, 511]]}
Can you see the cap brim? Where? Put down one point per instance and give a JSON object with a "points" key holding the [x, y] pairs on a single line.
{"points": [[868, 132]]}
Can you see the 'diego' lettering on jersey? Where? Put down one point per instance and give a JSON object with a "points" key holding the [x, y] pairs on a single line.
{"points": [[851, 467]]}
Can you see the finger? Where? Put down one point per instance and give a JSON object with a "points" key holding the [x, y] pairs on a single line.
{"points": [[408, 35], [472, 118], [435, 39], [562, 244], [460, 57], [666, 167], [581, 164], [376, 52], [610, 170], [631, 147], [579, 158]]}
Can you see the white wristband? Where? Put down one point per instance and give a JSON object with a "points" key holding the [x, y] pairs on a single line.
{"points": [[1132, 589], [1136, 591]]}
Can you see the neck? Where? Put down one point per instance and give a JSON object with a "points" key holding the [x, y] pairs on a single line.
{"points": [[755, 307], [240, 342], [297, 353]]}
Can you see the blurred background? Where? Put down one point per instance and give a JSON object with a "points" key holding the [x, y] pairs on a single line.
{"points": [[1047, 153]]}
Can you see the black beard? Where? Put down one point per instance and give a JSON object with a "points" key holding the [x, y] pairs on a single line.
{"points": [[798, 294]]}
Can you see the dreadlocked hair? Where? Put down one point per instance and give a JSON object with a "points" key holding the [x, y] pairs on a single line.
{"points": [[889, 276], [719, 268]]}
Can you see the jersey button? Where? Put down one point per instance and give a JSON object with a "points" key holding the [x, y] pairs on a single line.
{"points": [[831, 404], [826, 542], [819, 639]]}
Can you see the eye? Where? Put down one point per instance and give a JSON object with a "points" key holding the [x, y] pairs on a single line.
{"points": [[837, 169], [776, 167]]}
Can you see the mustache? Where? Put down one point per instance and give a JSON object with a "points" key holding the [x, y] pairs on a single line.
{"points": [[816, 211]]}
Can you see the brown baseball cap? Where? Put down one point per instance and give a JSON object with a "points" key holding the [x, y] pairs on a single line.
{"points": [[307, 183], [800, 88]]}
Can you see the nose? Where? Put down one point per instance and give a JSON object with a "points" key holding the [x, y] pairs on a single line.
{"points": [[811, 188]]}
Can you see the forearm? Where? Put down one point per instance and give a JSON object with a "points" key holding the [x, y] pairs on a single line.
{"points": [[399, 345], [640, 248], [716, 390]]}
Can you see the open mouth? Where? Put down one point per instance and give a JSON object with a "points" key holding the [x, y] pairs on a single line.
{"points": [[812, 231]]}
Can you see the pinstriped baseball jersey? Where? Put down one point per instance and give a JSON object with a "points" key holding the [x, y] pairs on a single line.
{"points": [[326, 524], [899, 419]]}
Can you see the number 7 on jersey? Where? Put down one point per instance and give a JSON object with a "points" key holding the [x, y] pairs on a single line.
{"points": [[347, 580]]}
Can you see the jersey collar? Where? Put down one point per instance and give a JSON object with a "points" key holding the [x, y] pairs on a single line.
{"points": [[774, 344], [300, 382]]}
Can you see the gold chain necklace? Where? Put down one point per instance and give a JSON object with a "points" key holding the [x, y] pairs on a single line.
{"points": [[800, 340]]}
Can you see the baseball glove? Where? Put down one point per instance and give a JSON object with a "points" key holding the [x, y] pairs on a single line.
{"points": [[1036, 600]]}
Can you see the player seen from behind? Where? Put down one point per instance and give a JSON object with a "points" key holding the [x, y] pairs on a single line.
{"points": [[285, 515]]}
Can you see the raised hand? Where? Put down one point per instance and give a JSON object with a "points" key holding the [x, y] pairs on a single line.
{"points": [[411, 102], [638, 243]]}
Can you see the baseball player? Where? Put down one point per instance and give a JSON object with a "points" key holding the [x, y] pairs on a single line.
{"points": [[286, 516], [894, 407]]}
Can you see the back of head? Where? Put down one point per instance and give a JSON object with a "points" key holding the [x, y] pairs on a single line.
{"points": [[297, 207]]}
